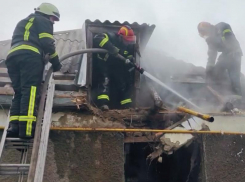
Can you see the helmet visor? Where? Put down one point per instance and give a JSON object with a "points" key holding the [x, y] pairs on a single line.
{"points": [[57, 16], [129, 39]]}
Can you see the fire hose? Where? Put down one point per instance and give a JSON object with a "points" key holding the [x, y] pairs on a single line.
{"points": [[197, 114]]}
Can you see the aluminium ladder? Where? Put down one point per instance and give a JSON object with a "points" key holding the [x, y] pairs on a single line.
{"points": [[38, 145], [35, 169]]}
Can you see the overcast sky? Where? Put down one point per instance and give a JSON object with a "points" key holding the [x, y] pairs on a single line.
{"points": [[175, 20]]}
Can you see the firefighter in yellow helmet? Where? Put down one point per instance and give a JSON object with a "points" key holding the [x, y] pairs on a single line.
{"points": [[31, 41], [221, 38]]}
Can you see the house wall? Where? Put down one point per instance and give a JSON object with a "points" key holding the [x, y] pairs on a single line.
{"points": [[81, 156], [76, 157], [224, 158]]}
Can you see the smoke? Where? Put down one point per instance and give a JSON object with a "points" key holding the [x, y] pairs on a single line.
{"points": [[175, 20], [174, 39], [175, 44]]}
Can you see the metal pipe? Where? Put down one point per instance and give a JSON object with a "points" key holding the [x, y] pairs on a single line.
{"points": [[143, 130], [197, 114], [140, 130]]}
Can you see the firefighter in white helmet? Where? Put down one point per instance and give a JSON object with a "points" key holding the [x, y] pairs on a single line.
{"points": [[31, 40]]}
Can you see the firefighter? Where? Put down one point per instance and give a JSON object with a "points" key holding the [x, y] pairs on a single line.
{"points": [[220, 38], [32, 40], [111, 68]]}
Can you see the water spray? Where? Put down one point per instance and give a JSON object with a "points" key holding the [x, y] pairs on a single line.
{"points": [[142, 71]]}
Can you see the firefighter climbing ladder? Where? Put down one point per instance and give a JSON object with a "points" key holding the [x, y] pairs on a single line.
{"points": [[35, 168]]}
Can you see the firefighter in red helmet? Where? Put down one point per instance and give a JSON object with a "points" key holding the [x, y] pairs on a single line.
{"points": [[112, 69]]}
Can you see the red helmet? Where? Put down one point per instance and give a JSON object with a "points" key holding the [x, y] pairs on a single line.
{"points": [[204, 28], [128, 34]]}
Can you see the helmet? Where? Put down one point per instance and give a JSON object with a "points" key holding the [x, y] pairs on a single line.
{"points": [[204, 28], [49, 9], [127, 34]]}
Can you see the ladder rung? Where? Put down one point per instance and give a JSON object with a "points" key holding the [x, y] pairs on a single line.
{"points": [[19, 139], [14, 165], [18, 147], [13, 173], [19, 143], [14, 169]]}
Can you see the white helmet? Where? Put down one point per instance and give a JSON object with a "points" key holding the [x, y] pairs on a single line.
{"points": [[49, 9]]}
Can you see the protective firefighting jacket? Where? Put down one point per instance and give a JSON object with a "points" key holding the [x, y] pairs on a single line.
{"points": [[222, 40], [35, 34], [111, 42]]}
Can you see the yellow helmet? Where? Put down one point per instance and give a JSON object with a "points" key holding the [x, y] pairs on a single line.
{"points": [[49, 9]]}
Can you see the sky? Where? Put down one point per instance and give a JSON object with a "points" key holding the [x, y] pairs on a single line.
{"points": [[176, 20]]}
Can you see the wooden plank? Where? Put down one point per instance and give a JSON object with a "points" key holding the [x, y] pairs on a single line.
{"points": [[45, 134], [216, 94], [6, 91], [62, 76], [61, 98], [58, 94], [64, 82], [6, 100], [65, 85], [4, 72], [4, 81], [57, 75], [69, 94]]}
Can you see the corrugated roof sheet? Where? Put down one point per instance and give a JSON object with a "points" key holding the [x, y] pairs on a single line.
{"points": [[145, 30], [66, 42], [71, 40], [107, 22]]}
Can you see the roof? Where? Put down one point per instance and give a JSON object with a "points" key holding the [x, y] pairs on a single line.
{"points": [[72, 40], [145, 30], [66, 42]]}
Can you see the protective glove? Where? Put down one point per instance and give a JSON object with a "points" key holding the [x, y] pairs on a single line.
{"points": [[56, 66], [130, 59]]}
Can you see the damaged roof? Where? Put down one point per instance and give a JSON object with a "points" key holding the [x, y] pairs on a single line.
{"points": [[72, 40]]}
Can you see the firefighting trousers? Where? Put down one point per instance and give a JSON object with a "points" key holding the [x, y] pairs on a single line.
{"points": [[25, 72], [121, 77], [231, 63]]}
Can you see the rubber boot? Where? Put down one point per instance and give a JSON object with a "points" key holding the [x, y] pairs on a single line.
{"points": [[13, 130], [126, 106], [26, 132]]}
